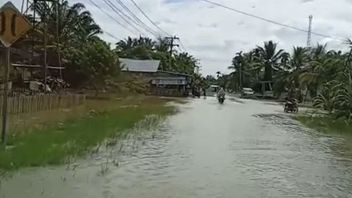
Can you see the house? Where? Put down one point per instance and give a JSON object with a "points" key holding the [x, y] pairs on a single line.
{"points": [[162, 83], [26, 69]]}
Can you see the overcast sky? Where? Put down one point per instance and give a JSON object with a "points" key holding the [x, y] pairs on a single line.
{"points": [[213, 34]]}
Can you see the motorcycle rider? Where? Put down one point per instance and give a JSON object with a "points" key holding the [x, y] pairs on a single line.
{"points": [[291, 104], [221, 92], [291, 100]]}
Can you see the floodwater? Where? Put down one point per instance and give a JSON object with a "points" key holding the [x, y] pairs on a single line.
{"points": [[239, 149]]}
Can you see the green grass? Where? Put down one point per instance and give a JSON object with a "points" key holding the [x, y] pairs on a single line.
{"points": [[326, 124], [54, 143]]}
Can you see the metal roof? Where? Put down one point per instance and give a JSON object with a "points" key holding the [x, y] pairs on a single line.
{"points": [[150, 66]]}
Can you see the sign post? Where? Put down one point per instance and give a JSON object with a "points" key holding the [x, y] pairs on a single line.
{"points": [[13, 25], [5, 96]]}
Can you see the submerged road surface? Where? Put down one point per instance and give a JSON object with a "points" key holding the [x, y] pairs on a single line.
{"points": [[239, 149]]}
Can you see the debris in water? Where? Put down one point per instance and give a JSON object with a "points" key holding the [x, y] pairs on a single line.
{"points": [[115, 162], [111, 142]]}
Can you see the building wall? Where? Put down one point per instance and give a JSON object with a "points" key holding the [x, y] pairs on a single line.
{"points": [[174, 91], [166, 87]]}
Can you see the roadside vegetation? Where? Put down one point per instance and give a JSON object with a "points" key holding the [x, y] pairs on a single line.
{"points": [[326, 124], [315, 74], [90, 62], [92, 68], [53, 142]]}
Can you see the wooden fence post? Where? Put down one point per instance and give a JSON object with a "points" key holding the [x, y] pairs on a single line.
{"points": [[18, 104], [29, 104]]}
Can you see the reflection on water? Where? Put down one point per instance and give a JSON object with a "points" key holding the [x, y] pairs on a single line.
{"points": [[239, 149]]}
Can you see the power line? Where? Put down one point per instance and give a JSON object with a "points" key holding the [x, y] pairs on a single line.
{"points": [[149, 19], [112, 36], [267, 20], [116, 11], [140, 22], [126, 18], [111, 17], [106, 32]]}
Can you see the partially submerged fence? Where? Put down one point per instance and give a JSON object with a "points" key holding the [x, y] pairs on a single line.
{"points": [[47, 102]]}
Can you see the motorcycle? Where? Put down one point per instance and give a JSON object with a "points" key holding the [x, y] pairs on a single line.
{"points": [[221, 99], [196, 93], [291, 106]]}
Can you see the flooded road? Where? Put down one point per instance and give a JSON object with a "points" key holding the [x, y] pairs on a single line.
{"points": [[239, 149]]}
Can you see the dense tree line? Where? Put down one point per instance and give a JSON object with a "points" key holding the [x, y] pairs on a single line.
{"points": [[73, 42], [317, 73], [147, 48]]}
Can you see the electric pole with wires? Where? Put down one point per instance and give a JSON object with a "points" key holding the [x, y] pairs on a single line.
{"points": [[172, 45]]}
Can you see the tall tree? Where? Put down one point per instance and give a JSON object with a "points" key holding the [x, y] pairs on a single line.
{"points": [[67, 23], [145, 48], [270, 56], [185, 63], [137, 48]]}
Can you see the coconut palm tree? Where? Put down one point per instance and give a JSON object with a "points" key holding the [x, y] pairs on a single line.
{"points": [[270, 57], [162, 45], [321, 69], [318, 52], [66, 23], [300, 58], [247, 67], [138, 48], [185, 63], [146, 48]]}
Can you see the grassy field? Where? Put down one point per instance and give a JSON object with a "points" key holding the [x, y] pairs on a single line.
{"points": [[326, 124], [52, 137]]}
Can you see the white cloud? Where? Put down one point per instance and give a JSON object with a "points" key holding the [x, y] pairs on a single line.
{"points": [[214, 34]]}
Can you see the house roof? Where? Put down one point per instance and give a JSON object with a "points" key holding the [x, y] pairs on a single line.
{"points": [[149, 66]]}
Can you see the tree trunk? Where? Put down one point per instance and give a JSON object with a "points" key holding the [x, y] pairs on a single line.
{"points": [[268, 73]]}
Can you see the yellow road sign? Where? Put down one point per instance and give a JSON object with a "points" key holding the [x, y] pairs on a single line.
{"points": [[13, 25]]}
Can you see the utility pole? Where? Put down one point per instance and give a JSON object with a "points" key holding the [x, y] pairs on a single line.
{"points": [[45, 39], [5, 96], [240, 73], [309, 39], [8, 36], [22, 7], [240, 68], [45, 4], [172, 45]]}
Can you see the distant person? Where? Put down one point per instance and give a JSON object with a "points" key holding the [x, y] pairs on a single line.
{"points": [[221, 92], [204, 92]]}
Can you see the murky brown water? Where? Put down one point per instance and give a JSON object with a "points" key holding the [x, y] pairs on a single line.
{"points": [[247, 149]]}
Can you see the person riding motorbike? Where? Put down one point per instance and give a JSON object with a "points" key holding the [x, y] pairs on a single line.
{"points": [[291, 100], [221, 95], [221, 92], [291, 105]]}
